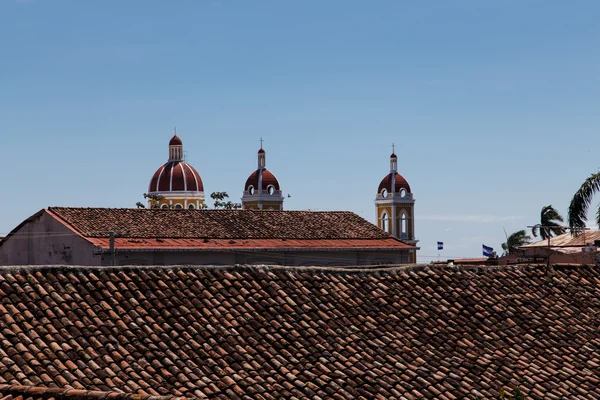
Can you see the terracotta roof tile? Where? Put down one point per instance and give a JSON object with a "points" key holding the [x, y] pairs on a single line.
{"points": [[218, 224], [258, 332]]}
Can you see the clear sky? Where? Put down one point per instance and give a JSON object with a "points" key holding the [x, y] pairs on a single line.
{"points": [[493, 105]]}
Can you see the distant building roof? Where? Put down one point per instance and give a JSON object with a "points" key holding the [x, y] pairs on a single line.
{"points": [[567, 240], [288, 332], [463, 261], [224, 229]]}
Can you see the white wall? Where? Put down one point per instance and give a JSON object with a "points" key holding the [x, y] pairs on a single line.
{"points": [[45, 241]]}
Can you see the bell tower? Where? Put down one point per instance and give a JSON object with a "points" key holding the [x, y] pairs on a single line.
{"points": [[262, 191], [395, 205]]}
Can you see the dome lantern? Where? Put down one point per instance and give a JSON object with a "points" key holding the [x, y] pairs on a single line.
{"points": [[176, 181], [175, 147]]}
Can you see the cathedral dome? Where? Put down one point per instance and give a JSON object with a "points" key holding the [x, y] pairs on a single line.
{"points": [[176, 176], [400, 183], [268, 179]]}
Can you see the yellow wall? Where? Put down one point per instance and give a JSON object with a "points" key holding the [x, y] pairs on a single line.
{"points": [[173, 202]]}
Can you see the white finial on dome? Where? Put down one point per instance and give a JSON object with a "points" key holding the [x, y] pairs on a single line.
{"points": [[262, 159], [393, 160]]}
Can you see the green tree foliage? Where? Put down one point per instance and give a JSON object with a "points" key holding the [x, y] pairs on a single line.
{"points": [[549, 225], [155, 198], [581, 202], [219, 198], [221, 202], [514, 241]]}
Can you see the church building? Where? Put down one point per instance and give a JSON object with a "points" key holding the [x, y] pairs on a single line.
{"points": [[262, 191], [395, 206], [176, 181]]}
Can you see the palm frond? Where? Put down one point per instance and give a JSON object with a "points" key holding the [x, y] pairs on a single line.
{"points": [[534, 230], [516, 240], [581, 202], [550, 213]]}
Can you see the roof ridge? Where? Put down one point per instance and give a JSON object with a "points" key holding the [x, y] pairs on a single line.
{"points": [[199, 209], [70, 393], [268, 268]]}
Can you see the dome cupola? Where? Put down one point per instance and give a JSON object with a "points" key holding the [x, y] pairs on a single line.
{"points": [[176, 181], [262, 190]]}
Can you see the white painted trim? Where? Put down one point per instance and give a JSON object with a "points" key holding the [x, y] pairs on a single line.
{"points": [[171, 177], [159, 176], [179, 194], [183, 173]]}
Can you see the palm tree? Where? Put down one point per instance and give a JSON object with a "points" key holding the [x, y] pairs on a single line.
{"points": [[549, 225], [581, 203], [514, 241]]}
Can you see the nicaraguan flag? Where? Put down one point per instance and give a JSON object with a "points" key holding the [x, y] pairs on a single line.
{"points": [[440, 245], [487, 251]]}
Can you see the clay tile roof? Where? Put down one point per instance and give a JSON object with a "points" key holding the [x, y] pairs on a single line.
{"points": [[14, 392], [274, 332], [218, 224]]}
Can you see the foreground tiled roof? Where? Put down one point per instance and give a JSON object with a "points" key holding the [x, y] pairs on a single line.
{"points": [[267, 333], [17, 392]]}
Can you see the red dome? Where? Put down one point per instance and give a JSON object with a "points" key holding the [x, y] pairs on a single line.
{"points": [[175, 141], [176, 176], [386, 183], [261, 151], [267, 179]]}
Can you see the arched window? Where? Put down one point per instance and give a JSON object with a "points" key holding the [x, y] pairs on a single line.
{"points": [[385, 222], [270, 189], [178, 206], [191, 206], [250, 189], [403, 225], [164, 206]]}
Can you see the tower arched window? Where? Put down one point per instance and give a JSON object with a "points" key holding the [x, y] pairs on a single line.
{"points": [[403, 225], [385, 222]]}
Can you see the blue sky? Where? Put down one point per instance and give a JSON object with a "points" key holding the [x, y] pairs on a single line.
{"points": [[493, 105]]}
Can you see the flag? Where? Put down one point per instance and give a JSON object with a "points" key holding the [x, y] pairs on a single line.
{"points": [[487, 251], [440, 245]]}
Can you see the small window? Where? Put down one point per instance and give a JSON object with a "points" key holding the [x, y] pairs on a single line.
{"points": [[164, 206], [402, 192], [385, 222], [178, 206], [191, 206], [270, 189], [251, 189], [384, 193], [404, 225]]}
